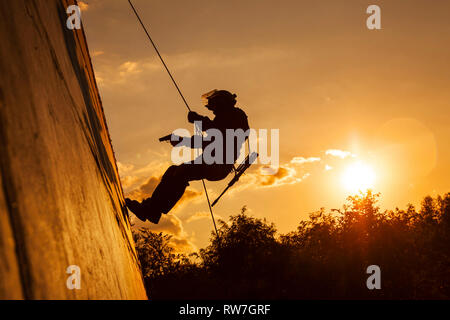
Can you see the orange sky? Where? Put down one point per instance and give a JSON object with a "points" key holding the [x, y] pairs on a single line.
{"points": [[311, 69]]}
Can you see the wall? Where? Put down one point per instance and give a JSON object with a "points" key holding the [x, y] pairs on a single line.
{"points": [[61, 202]]}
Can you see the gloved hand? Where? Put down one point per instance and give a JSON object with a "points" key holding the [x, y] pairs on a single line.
{"points": [[194, 116], [175, 141]]}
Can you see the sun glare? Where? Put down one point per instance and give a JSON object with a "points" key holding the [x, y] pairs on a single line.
{"points": [[358, 177]]}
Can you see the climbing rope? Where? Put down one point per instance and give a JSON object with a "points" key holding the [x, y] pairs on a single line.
{"points": [[182, 97]]}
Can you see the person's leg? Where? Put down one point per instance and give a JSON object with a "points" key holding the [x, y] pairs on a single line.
{"points": [[139, 210], [174, 182], [216, 172], [170, 189], [173, 185]]}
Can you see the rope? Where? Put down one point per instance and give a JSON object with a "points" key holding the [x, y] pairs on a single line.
{"points": [[159, 55], [210, 210], [182, 97]]}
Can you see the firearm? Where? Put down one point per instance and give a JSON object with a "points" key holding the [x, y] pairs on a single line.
{"points": [[166, 138], [238, 173]]}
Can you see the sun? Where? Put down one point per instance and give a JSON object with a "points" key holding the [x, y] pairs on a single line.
{"points": [[358, 176]]}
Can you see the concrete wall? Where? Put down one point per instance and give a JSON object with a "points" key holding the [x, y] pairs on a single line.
{"points": [[61, 202]]}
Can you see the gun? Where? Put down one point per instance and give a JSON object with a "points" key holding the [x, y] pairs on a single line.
{"points": [[166, 138], [238, 173]]}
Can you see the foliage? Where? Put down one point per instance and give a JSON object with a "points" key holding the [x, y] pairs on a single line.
{"points": [[325, 257]]}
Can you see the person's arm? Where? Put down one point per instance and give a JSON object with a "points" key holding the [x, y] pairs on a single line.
{"points": [[194, 142], [206, 122]]}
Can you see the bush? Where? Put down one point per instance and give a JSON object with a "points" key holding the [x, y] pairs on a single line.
{"points": [[326, 257]]}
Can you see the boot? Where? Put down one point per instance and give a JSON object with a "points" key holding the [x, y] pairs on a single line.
{"points": [[153, 213], [144, 211]]}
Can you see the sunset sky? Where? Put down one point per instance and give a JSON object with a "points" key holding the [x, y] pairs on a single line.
{"points": [[355, 107]]}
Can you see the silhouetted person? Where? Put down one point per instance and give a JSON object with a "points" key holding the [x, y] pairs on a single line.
{"points": [[176, 178]]}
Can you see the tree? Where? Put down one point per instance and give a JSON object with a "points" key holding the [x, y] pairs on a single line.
{"points": [[325, 257]]}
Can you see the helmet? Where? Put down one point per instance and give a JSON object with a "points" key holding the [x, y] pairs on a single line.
{"points": [[219, 98]]}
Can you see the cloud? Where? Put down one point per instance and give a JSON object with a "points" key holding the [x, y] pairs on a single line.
{"points": [[290, 173], [124, 168], [295, 171], [128, 181], [182, 245], [302, 160], [285, 175], [135, 181], [172, 225], [202, 215], [169, 224], [216, 58], [143, 191], [198, 216], [97, 53], [339, 153], [190, 194], [146, 189], [83, 6], [152, 167], [115, 70], [129, 68]]}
